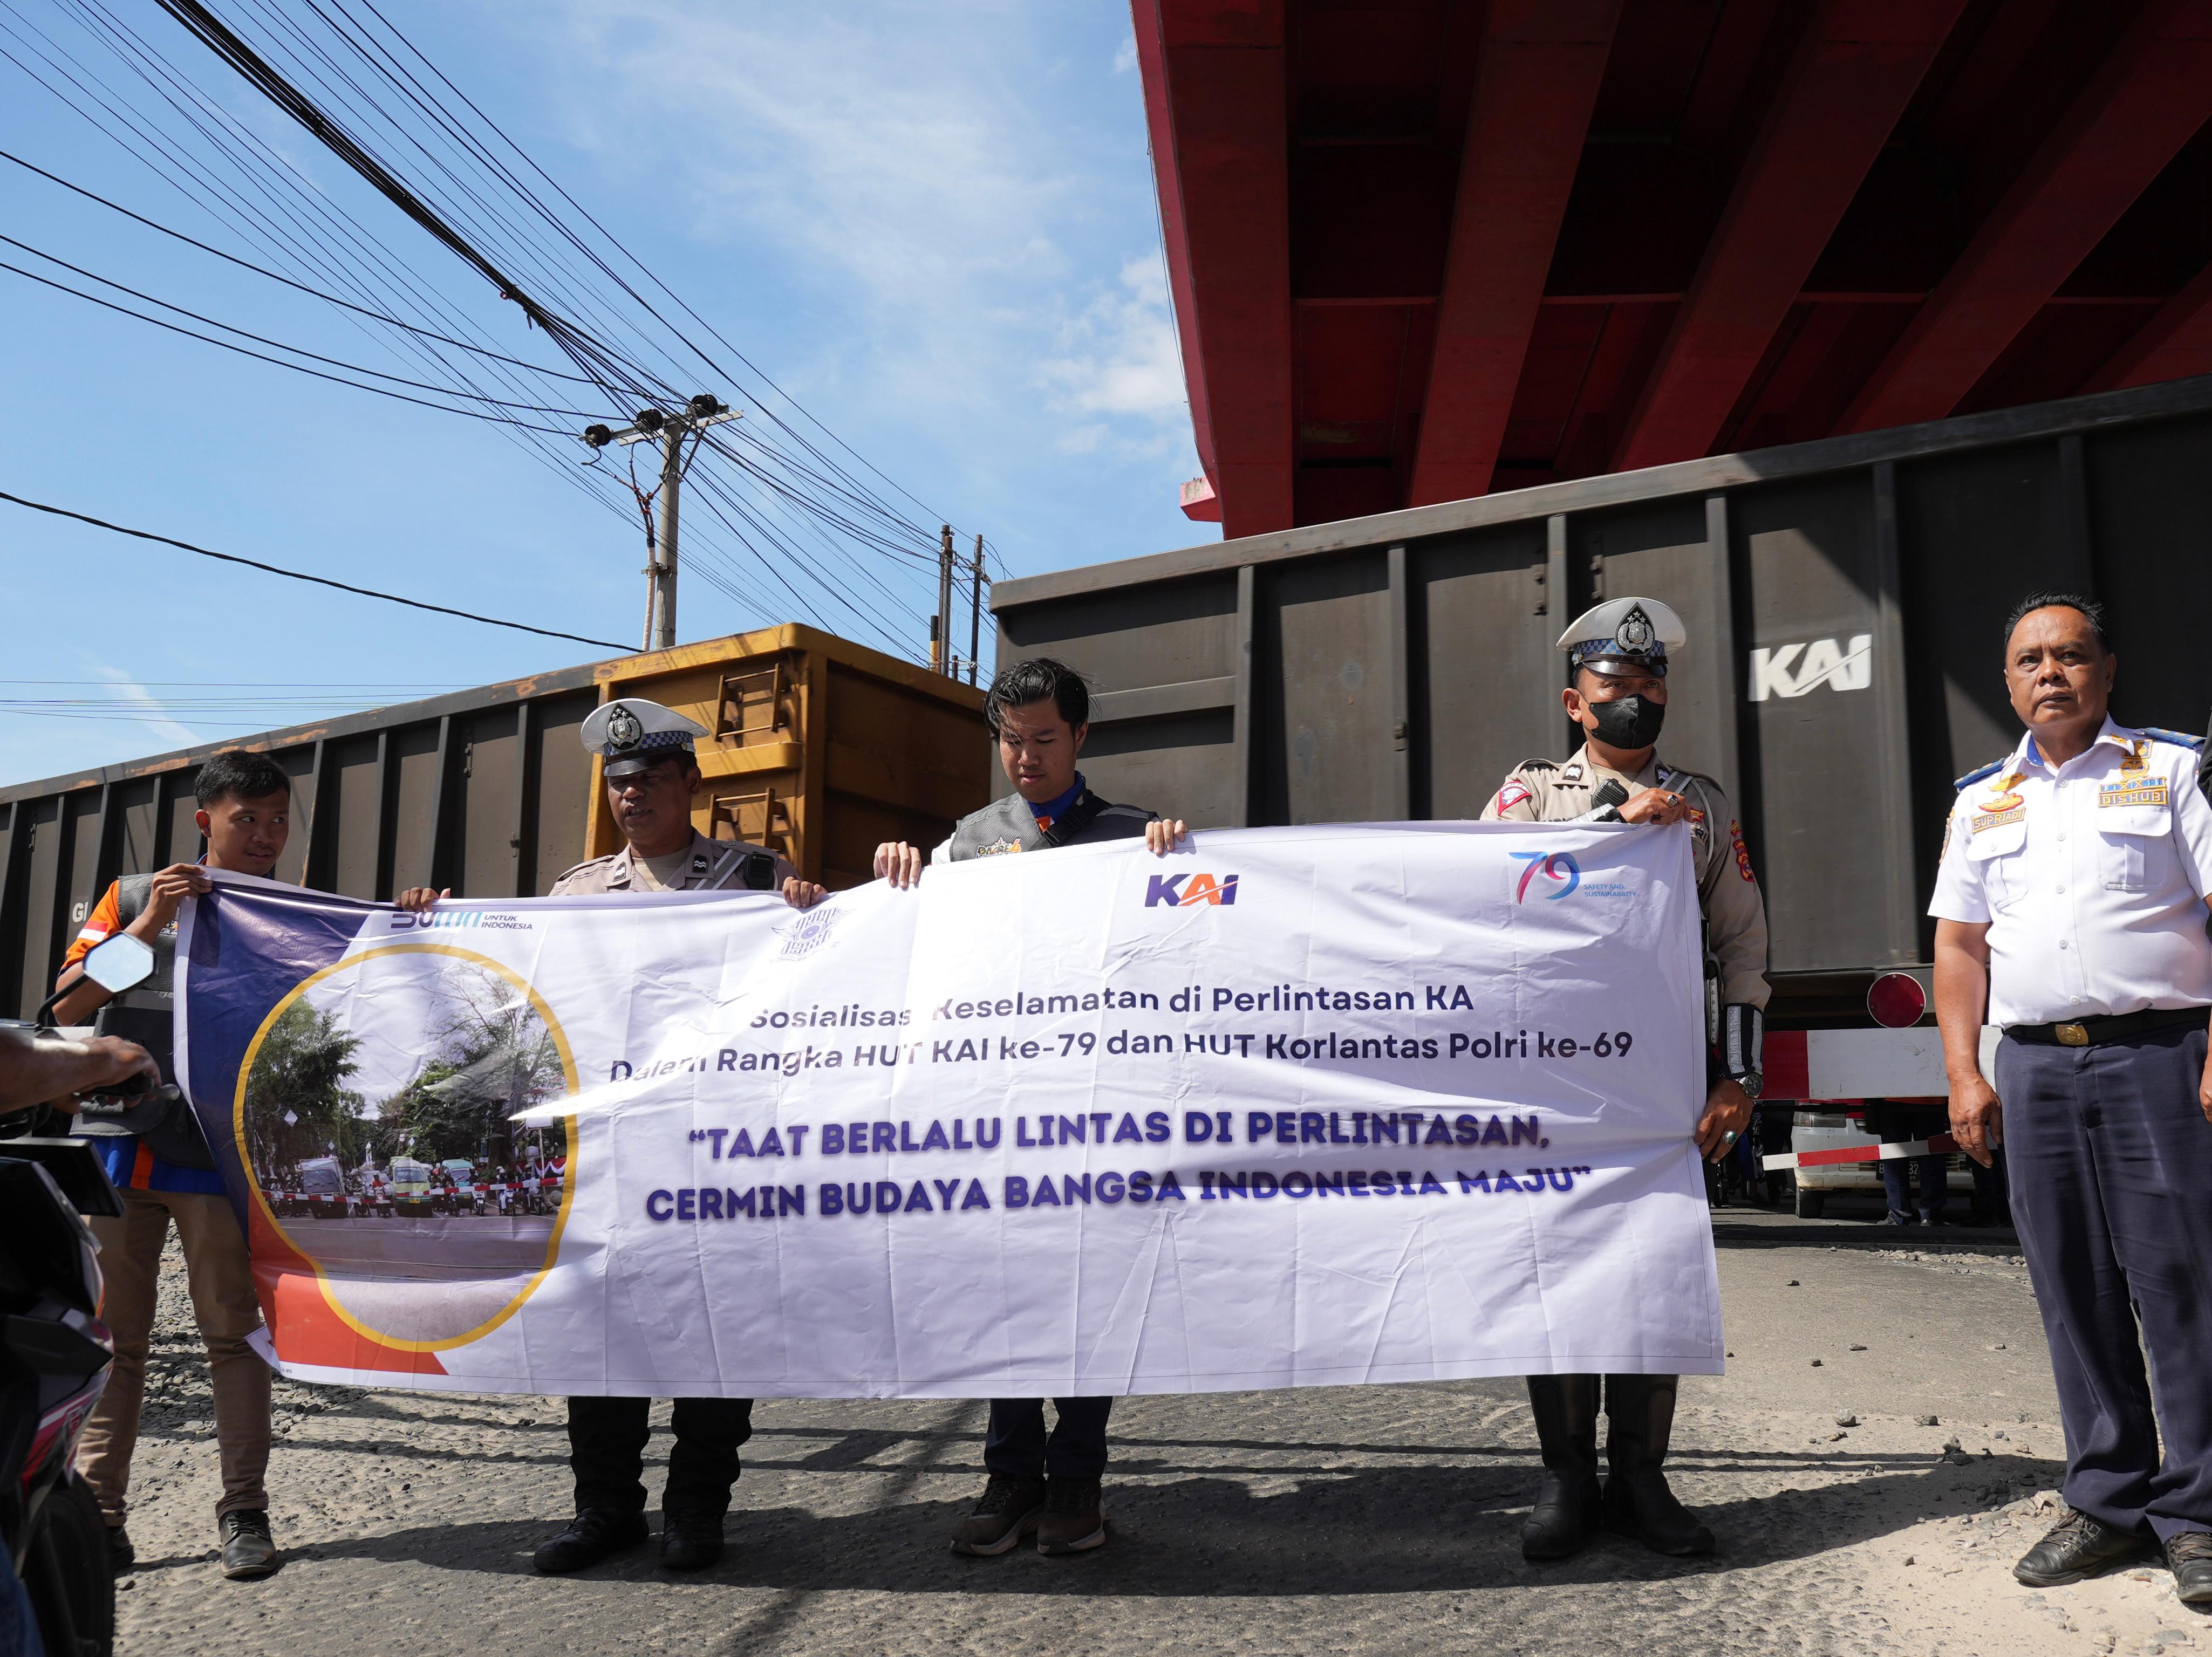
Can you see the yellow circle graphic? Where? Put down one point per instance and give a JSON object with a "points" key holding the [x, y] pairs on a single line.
{"points": [[445, 1276]]}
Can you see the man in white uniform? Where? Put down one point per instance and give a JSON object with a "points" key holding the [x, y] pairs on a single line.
{"points": [[2070, 903]]}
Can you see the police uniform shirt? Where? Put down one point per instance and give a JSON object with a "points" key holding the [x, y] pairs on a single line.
{"points": [[713, 865], [2091, 875], [1544, 791]]}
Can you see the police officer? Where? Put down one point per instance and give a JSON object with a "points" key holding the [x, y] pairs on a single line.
{"points": [[1617, 666], [2070, 903], [652, 776], [1039, 710]]}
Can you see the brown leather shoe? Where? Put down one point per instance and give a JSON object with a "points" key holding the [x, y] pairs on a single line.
{"points": [[1006, 1513], [1075, 1517]]}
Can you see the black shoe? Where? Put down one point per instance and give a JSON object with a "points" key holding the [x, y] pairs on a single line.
{"points": [[1895, 1219], [2075, 1547], [1075, 1518], [1008, 1511], [1565, 1514], [690, 1539], [592, 1535], [2189, 1556], [1640, 1420], [248, 1551], [121, 1556]]}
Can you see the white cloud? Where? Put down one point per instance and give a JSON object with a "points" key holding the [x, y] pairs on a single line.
{"points": [[908, 216], [1118, 355], [894, 157], [1125, 55], [130, 694]]}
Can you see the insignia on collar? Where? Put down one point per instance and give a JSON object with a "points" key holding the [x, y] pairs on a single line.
{"points": [[998, 848], [698, 863], [2134, 759]]}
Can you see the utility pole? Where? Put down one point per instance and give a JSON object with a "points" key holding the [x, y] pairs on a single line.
{"points": [[975, 610], [670, 431], [660, 573], [940, 631]]}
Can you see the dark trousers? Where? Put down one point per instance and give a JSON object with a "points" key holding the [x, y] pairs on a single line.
{"points": [[1017, 1446], [1897, 1125], [2110, 1161], [606, 1450]]}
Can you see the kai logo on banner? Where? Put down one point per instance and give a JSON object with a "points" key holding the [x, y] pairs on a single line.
{"points": [[1203, 889], [1557, 867], [1777, 672]]}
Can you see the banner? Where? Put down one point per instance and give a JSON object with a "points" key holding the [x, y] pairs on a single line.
{"points": [[1298, 1106]]}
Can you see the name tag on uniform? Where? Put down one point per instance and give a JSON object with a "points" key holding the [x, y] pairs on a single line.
{"points": [[2144, 792], [1986, 820]]}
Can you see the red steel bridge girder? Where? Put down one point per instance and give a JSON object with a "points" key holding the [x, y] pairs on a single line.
{"points": [[1422, 249]]}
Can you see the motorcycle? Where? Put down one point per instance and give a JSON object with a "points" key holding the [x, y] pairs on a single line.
{"points": [[55, 1353]]}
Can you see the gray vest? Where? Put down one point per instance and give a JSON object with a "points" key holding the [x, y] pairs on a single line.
{"points": [[146, 1014], [1008, 825]]}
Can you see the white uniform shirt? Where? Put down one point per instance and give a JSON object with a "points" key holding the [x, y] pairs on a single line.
{"points": [[2091, 876]]}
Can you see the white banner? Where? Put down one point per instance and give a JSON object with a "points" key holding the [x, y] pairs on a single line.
{"points": [[1298, 1106]]}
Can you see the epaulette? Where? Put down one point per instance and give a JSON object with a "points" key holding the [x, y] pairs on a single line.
{"points": [[587, 863], [1974, 777], [2195, 743], [1537, 765]]}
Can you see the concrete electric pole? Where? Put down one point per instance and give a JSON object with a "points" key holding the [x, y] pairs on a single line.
{"points": [[940, 625], [670, 431], [975, 612]]}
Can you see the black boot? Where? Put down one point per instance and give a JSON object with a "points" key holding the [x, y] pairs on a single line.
{"points": [[1640, 1418], [592, 1535], [1567, 1508]]}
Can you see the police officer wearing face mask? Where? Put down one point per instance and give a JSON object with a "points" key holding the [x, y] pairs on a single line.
{"points": [[1616, 658]]}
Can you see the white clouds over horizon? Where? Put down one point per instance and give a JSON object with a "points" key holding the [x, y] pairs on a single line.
{"points": [[931, 193]]}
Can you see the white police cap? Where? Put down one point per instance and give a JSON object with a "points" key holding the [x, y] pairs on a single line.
{"points": [[633, 734], [1623, 629]]}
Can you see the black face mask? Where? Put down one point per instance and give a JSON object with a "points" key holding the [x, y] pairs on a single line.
{"points": [[1628, 722]]}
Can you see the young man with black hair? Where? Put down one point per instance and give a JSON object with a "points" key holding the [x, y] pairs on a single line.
{"points": [[1039, 710], [166, 1175]]}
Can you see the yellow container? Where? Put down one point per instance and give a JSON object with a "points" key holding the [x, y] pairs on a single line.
{"points": [[818, 748]]}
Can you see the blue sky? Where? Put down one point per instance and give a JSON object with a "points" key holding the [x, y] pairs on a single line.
{"points": [[931, 223]]}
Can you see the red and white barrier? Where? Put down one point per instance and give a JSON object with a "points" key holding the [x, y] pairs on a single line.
{"points": [[1937, 1145]]}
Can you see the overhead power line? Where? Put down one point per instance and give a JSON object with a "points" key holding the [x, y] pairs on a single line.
{"points": [[388, 320], [300, 576]]}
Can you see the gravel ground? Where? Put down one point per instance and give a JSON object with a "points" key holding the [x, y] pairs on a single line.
{"points": [[1370, 1520]]}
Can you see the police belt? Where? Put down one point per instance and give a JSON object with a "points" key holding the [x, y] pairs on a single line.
{"points": [[2095, 1032]]}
